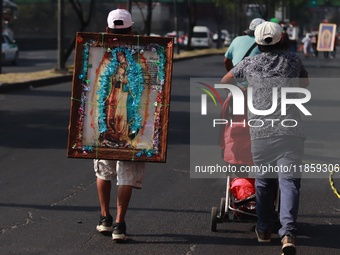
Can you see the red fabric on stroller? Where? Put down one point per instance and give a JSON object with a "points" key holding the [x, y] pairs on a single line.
{"points": [[243, 188], [235, 139]]}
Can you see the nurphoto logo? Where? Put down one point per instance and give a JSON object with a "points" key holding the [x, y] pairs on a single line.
{"points": [[238, 104]]}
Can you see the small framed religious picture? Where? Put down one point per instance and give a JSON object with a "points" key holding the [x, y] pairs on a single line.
{"points": [[120, 97], [326, 37]]}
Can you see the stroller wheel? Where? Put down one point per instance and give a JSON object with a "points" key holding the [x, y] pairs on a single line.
{"points": [[213, 219], [222, 208]]}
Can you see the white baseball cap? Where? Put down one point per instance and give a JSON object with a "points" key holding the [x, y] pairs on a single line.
{"points": [[268, 33], [119, 19], [255, 22]]}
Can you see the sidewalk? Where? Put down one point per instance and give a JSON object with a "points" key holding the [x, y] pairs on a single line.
{"points": [[14, 81]]}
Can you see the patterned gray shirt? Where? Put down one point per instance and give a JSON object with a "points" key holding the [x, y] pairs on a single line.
{"points": [[263, 72]]}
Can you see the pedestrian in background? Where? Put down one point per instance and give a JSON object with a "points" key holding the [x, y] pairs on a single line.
{"points": [[333, 53], [314, 44], [242, 46], [274, 145], [307, 45]]}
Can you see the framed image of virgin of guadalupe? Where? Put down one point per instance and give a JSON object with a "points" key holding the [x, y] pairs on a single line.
{"points": [[120, 97], [326, 37]]}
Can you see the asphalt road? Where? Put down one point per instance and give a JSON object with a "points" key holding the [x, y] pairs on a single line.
{"points": [[48, 203], [35, 60]]}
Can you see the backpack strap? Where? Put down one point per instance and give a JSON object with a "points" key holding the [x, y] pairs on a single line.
{"points": [[250, 50]]}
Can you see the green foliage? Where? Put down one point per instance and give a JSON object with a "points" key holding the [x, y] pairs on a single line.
{"points": [[40, 20], [31, 18], [299, 11], [223, 3]]}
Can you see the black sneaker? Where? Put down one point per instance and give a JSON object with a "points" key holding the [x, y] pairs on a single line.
{"points": [[105, 224], [119, 232], [263, 237], [288, 245]]}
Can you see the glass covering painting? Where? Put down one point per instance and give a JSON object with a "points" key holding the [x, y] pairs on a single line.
{"points": [[120, 97]]}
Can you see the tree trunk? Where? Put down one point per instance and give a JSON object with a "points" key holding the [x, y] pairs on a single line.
{"points": [[148, 21], [191, 7], [83, 24]]}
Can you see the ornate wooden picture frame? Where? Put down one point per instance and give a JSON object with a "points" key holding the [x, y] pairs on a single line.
{"points": [[120, 97]]}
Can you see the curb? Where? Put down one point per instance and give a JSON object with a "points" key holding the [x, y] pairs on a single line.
{"points": [[7, 87]]}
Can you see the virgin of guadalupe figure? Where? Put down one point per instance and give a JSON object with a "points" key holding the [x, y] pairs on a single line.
{"points": [[116, 105], [326, 39]]}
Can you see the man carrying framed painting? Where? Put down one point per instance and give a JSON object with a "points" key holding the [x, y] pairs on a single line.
{"points": [[129, 174]]}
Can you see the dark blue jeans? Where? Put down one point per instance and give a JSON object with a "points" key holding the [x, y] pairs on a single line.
{"points": [[280, 158]]}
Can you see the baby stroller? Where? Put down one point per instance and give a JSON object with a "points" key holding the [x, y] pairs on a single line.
{"points": [[238, 205], [239, 201]]}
